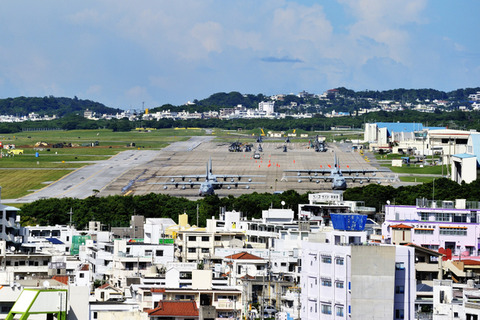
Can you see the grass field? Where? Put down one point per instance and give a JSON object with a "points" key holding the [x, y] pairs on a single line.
{"points": [[419, 170], [417, 179], [18, 183], [22, 174]]}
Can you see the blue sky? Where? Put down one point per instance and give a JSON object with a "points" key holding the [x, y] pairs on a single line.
{"points": [[125, 53]]}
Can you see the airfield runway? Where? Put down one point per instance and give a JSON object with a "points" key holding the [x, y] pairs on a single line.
{"points": [[136, 172]]}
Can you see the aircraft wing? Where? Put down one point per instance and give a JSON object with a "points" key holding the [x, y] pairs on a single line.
{"points": [[236, 176], [362, 171], [311, 178], [391, 178], [235, 183], [189, 178], [309, 172], [177, 184]]}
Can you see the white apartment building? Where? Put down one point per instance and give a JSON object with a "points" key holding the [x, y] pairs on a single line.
{"points": [[10, 230], [342, 279], [57, 238], [267, 107]]}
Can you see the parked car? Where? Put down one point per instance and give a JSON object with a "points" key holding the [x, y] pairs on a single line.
{"points": [[269, 311]]}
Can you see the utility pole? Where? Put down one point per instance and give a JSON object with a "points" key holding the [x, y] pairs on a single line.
{"points": [[70, 213]]}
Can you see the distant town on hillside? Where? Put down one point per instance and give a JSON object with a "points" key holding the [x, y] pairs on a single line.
{"points": [[331, 103]]}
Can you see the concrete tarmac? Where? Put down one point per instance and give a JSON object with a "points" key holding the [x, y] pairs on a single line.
{"points": [[148, 178], [136, 172]]}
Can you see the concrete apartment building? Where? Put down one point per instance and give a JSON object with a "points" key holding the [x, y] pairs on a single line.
{"points": [[10, 230], [342, 279]]}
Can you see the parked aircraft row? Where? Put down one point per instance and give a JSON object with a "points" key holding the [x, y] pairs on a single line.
{"points": [[209, 182], [335, 175]]}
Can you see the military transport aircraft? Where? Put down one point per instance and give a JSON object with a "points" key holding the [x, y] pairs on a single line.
{"points": [[211, 181], [339, 181]]}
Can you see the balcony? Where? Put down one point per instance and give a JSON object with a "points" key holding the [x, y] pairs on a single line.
{"points": [[225, 304]]}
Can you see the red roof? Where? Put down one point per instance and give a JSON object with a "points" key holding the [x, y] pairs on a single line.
{"points": [[175, 308], [103, 286], [401, 226], [243, 256], [62, 279], [470, 262]]}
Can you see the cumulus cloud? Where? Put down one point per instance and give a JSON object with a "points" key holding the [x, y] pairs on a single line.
{"points": [[171, 51]]}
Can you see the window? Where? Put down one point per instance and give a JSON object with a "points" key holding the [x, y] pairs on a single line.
{"points": [[424, 216], [326, 282], [443, 216], [340, 261], [326, 309], [159, 253], [339, 284], [399, 314], [399, 289], [326, 259], [453, 231], [339, 311], [192, 238], [423, 231], [399, 266]]}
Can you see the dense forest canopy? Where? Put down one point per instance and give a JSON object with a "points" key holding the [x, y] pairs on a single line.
{"points": [[116, 211], [50, 106]]}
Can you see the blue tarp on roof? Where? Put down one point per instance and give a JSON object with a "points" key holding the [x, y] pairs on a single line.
{"points": [[54, 240], [349, 222]]}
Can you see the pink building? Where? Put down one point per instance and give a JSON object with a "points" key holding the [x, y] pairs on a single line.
{"points": [[450, 225]]}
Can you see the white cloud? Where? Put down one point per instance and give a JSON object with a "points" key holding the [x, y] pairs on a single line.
{"points": [[209, 35], [385, 22]]}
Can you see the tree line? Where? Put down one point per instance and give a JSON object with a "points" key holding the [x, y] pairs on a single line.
{"points": [[116, 211], [452, 120], [59, 106]]}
